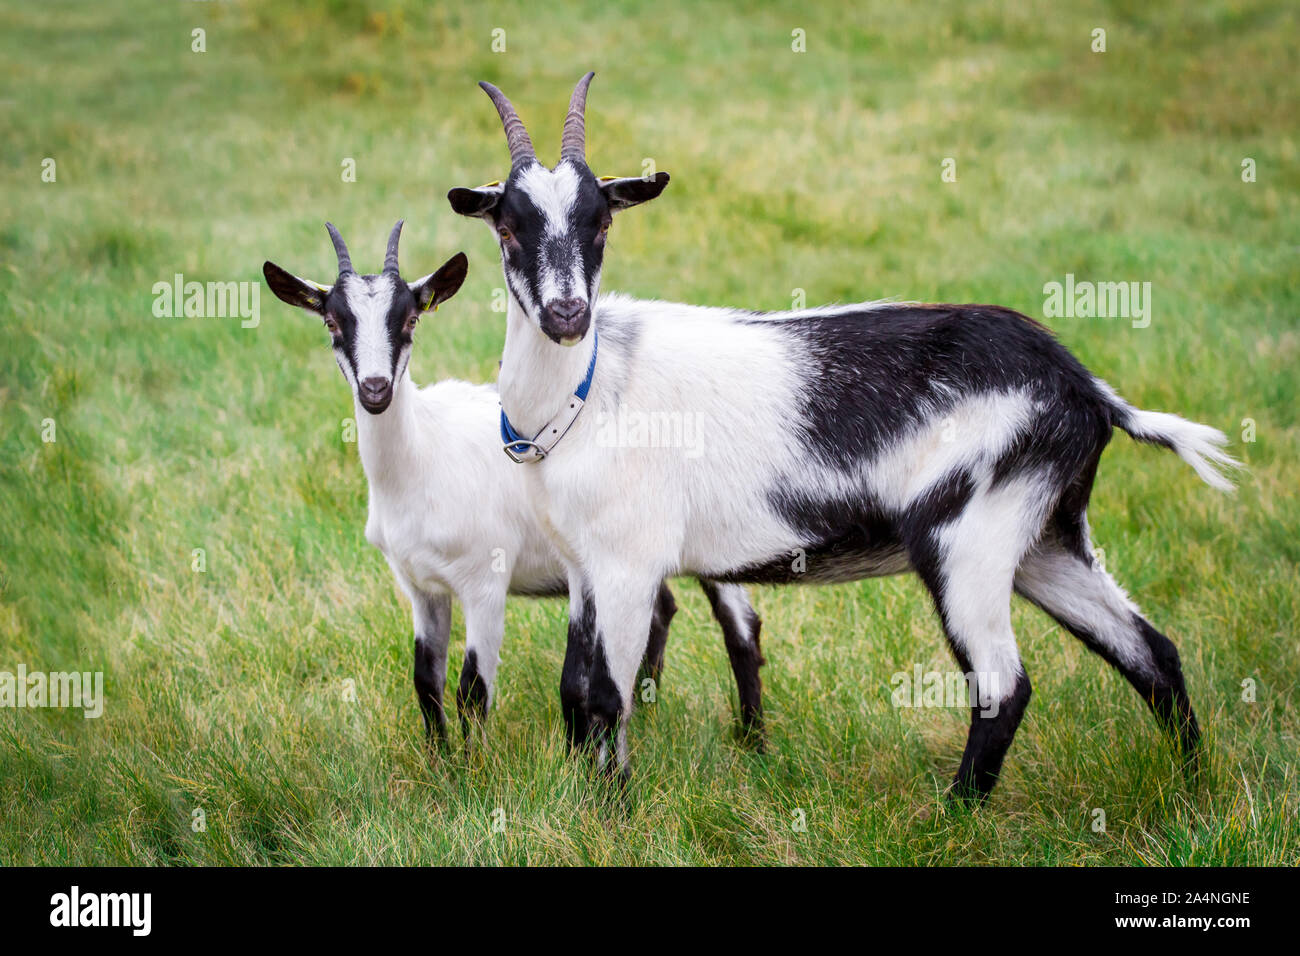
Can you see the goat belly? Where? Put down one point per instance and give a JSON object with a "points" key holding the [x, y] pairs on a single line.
{"points": [[539, 587], [841, 542], [833, 563]]}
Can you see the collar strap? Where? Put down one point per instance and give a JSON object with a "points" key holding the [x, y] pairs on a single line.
{"points": [[521, 449]]}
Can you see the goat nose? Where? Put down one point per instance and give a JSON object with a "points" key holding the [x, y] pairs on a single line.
{"points": [[376, 385], [567, 310]]}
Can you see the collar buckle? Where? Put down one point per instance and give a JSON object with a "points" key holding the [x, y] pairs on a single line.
{"points": [[523, 451]]}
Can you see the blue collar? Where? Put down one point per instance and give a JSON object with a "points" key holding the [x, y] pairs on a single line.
{"points": [[521, 449]]}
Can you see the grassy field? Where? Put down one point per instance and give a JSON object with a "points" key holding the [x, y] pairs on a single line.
{"points": [[821, 171]]}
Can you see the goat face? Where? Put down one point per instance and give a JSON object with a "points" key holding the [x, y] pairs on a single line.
{"points": [[370, 318], [552, 223]]}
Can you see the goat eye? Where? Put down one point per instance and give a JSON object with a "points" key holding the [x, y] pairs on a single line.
{"points": [[331, 325], [410, 324], [504, 233], [604, 227]]}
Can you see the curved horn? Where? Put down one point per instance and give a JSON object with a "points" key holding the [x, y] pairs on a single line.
{"points": [[340, 249], [521, 147], [573, 144], [390, 257]]}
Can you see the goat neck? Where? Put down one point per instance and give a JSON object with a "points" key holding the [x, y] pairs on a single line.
{"points": [[537, 376], [389, 443]]}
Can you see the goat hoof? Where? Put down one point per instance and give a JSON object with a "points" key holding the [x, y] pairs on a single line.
{"points": [[752, 738], [965, 795]]}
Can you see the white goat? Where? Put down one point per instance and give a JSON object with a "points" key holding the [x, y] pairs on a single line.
{"points": [[450, 514], [959, 442]]}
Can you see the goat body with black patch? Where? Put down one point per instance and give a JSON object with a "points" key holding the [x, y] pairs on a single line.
{"points": [[957, 442]]}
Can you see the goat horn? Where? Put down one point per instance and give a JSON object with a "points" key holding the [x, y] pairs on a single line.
{"points": [[573, 144], [521, 147], [390, 257], [340, 249]]}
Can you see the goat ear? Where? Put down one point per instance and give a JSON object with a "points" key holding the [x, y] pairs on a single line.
{"points": [[477, 203], [297, 292], [632, 190], [441, 285]]}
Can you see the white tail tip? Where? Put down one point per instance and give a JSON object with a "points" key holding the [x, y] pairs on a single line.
{"points": [[1199, 445]]}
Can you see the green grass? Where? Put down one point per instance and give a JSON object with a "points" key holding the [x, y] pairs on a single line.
{"points": [[817, 171]]}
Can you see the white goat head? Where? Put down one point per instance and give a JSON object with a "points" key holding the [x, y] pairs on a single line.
{"points": [[552, 223], [371, 318]]}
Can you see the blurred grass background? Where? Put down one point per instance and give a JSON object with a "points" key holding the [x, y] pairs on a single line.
{"points": [[817, 171]]}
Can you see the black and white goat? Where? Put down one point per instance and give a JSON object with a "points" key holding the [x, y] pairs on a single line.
{"points": [[956, 441], [449, 513]]}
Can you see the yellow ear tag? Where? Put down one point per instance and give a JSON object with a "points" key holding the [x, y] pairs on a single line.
{"points": [[607, 179], [495, 182]]}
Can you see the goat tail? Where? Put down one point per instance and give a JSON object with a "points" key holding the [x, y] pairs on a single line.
{"points": [[1199, 445]]}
